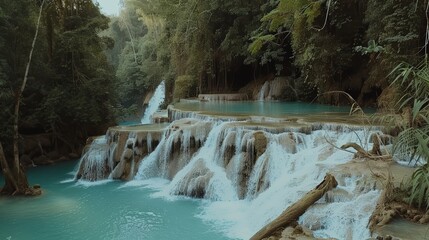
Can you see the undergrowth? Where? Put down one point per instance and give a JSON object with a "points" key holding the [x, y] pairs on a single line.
{"points": [[412, 142]]}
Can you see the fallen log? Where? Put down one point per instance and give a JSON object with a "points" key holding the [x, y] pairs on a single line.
{"points": [[293, 212], [359, 149], [365, 154]]}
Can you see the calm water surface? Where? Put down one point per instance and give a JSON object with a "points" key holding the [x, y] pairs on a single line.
{"points": [[69, 210], [260, 108]]}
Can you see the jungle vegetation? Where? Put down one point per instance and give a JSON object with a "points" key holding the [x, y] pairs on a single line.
{"points": [[220, 46], [87, 68], [69, 92]]}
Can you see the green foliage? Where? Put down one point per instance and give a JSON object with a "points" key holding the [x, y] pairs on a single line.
{"points": [[17, 27], [397, 26], [373, 47], [414, 81], [204, 39], [329, 45], [413, 142], [185, 87], [258, 42], [318, 38], [419, 192], [70, 89]]}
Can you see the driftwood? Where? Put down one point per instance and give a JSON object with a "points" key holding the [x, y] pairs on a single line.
{"points": [[374, 154], [361, 152], [293, 212]]}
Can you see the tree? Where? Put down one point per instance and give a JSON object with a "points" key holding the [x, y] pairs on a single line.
{"points": [[15, 179], [80, 95], [69, 93]]}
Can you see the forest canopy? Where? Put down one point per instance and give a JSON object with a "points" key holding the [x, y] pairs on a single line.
{"points": [[70, 90], [220, 46], [87, 68]]}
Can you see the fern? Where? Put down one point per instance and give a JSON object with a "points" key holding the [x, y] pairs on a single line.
{"points": [[413, 141], [411, 144], [420, 187]]}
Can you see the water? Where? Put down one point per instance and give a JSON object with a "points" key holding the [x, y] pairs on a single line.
{"points": [[262, 92], [259, 108], [291, 165], [154, 103], [105, 210], [289, 177]]}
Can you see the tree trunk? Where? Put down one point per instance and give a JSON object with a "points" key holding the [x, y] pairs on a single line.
{"points": [[293, 212], [16, 178], [10, 183], [15, 185]]}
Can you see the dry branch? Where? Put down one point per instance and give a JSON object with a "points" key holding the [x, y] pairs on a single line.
{"points": [[293, 212], [361, 152], [365, 154]]}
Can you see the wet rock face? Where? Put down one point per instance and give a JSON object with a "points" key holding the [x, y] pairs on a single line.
{"points": [[260, 144], [115, 154], [276, 89], [195, 182], [240, 156], [92, 166], [253, 145]]}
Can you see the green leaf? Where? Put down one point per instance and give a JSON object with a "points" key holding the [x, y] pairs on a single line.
{"points": [[418, 105]]}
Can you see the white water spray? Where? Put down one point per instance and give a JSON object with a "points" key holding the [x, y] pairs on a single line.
{"points": [[154, 103], [250, 175], [292, 164], [95, 162]]}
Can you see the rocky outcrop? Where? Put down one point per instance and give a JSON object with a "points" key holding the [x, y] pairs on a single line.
{"points": [[195, 182], [256, 161], [279, 88], [117, 153]]}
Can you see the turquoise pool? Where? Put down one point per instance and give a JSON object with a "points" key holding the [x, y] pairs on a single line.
{"points": [[108, 210]]}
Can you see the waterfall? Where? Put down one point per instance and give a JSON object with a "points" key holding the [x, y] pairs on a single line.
{"points": [[290, 167], [252, 176], [95, 164], [204, 175], [263, 91], [174, 149], [250, 173], [154, 103]]}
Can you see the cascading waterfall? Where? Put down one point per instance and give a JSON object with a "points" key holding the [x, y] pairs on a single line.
{"points": [[252, 176], [263, 91], [204, 175], [154, 103], [156, 164], [95, 162], [249, 173]]}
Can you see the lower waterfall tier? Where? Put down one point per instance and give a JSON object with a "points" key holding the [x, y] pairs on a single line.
{"points": [[251, 169]]}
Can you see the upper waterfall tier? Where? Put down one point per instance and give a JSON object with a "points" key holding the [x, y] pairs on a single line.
{"points": [[264, 111], [154, 103]]}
